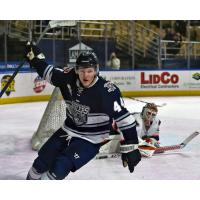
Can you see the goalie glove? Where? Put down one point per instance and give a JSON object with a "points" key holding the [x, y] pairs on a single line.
{"points": [[152, 141], [32, 52], [147, 151], [130, 155], [147, 146]]}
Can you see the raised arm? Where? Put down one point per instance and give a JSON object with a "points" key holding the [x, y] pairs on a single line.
{"points": [[36, 59]]}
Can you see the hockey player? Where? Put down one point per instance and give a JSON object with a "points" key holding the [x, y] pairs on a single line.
{"points": [[92, 104], [147, 126]]}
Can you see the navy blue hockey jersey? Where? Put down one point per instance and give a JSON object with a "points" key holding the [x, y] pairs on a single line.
{"points": [[90, 111]]}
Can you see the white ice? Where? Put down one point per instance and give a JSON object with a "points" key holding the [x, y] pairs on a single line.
{"points": [[180, 117]]}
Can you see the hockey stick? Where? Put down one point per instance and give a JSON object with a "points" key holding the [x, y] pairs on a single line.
{"points": [[52, 24], [161, 105], [178, 146], [157, 150]]}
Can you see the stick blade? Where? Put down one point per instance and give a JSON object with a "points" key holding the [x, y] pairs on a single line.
{"points": [[162, 105], [189, 138], [61, 23]]}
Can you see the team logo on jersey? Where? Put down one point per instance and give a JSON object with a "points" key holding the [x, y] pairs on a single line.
{"points": [[40, 84], [67, 69], [78, 112], [10, 88], [110, 86]]}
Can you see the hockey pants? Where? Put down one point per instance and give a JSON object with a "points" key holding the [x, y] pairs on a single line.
{"points": [[59, 155]]}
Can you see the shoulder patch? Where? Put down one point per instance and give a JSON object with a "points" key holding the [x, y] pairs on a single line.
{"points": [[110, 86], [67, 69]]}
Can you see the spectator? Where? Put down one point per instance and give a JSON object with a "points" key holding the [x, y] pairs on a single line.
{"points": [[175, 39], [169, 34], [176, 45], [181, 27], [114, 62]]}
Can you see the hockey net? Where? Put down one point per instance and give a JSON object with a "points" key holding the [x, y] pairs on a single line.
{"points": [[52, 119]]}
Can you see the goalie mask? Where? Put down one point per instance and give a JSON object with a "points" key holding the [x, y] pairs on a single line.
{"points": [[149, 112], [87, 60]]}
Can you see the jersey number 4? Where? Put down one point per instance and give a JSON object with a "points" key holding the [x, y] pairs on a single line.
{"points": [[117, 107]]}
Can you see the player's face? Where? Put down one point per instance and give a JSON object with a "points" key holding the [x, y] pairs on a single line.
{"points": [[86, 76], [150, 114]]}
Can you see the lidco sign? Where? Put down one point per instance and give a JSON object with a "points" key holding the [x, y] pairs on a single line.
{"points": [[164, 77]]}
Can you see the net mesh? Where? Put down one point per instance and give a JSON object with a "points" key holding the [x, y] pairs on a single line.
{"points": [[52, 119]]}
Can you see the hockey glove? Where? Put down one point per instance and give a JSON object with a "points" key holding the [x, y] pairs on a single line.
{"points": [[33, 52], [130, 155], [153, 142]]}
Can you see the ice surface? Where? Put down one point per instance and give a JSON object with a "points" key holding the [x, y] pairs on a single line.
{"points": [[180, 117]]}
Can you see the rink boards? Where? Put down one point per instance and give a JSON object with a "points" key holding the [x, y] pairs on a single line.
{"points": [[28, 86]]}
